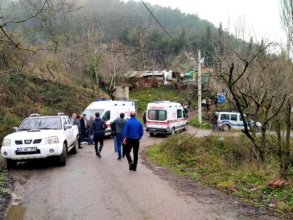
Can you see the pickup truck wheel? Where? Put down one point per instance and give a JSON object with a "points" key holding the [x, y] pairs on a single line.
{"points": [[173, 132], [63, 157], [152, 134], [10, 164], [74, 149], [185, 127]]}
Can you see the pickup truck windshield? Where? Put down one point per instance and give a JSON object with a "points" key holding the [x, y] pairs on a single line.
{"points": [[45, 123]]}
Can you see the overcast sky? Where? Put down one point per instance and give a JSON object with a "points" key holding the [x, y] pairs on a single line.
{"points": [[260, 18]]}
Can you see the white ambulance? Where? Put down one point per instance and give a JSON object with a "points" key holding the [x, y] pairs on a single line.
{"points": [[109, 110], [165, 117]]}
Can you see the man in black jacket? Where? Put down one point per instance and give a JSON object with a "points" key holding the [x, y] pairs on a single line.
{"points": [[99, 127]]}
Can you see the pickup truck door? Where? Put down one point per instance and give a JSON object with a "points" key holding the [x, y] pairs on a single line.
{"points": [[69, 134]]}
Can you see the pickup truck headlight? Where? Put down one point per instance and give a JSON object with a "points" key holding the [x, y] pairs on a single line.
{"points": [[6, 142], [52, 140]]}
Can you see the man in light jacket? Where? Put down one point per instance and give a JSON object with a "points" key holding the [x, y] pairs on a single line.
{"points": [[132, 133]]}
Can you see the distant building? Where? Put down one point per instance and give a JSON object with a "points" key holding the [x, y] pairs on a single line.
{"points": [[148, 79]]}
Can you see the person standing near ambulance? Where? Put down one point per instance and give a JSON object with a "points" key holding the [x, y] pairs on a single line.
{"points": [[132, 133]]}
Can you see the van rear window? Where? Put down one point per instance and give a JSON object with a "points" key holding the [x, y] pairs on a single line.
{"points": [[158, 115]]}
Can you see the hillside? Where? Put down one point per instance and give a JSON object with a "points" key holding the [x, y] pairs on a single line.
{"points": [[23, 94]]}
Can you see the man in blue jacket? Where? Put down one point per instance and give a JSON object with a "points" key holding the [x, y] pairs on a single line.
{"points": [[132, 133]]}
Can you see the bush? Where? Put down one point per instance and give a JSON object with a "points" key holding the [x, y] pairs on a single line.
{"points": [[204, 125], [225, 163], [9, 120]]}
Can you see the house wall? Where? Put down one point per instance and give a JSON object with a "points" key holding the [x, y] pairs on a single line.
{"points": [[122, 92]]}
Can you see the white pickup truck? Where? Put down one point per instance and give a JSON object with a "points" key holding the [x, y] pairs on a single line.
{"points": [[41, 137]]}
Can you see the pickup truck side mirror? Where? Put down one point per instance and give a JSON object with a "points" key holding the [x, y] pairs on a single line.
{"points": [[66, 127], [14, 129]]}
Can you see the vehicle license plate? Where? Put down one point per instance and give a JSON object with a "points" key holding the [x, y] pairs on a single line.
{"points": [[26, 149]]}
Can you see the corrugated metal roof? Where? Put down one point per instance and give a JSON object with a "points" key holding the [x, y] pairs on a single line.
{"points": [[141, 74]]}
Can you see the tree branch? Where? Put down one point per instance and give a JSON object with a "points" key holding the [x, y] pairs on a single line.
{"points": [[279, 109], [28, 18]]}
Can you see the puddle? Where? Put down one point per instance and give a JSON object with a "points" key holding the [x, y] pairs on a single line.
{"points": [[15, 212]]}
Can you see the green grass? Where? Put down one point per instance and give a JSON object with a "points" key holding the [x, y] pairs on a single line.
{"points": [[204, 125], [146, 95], [227, 165]]}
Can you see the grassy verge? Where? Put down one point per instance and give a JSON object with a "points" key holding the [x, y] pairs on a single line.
{"points": [[224, 163], [204, 125], [4, 191]]}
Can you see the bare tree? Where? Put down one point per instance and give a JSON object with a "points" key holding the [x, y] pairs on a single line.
{"points": [[287, 19], [43, 12], [255, 85], [92, 48]]}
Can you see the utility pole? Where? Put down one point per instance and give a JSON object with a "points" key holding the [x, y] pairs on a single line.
{"points": [[199, 88]]}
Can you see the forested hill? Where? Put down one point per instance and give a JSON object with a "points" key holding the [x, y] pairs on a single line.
{"points": [[84, 47], [116, 16], [91, 23], [132, 24]]}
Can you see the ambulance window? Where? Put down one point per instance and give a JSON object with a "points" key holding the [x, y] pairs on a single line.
{"points": [[159, 115], [106, 116], [152, 115], [233, 117], [162, 115], [179, 113]]}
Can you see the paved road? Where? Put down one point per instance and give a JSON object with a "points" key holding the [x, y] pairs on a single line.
{"points": [[90, 188]]}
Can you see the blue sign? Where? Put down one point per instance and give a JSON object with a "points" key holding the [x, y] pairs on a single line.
{"points": [[221, 99]]}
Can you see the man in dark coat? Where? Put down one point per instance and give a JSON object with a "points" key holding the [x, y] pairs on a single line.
{"points": [[98, 128]]}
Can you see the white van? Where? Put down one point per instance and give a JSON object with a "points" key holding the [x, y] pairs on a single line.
{"points": [[109, 110], [165, 117], [232, 120]]}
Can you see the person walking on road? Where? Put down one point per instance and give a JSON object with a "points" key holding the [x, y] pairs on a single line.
{"points": [[132, 133], [119, 127], [99, 127]]}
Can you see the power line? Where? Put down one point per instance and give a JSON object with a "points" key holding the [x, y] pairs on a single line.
{"points": [[156, 19]]}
